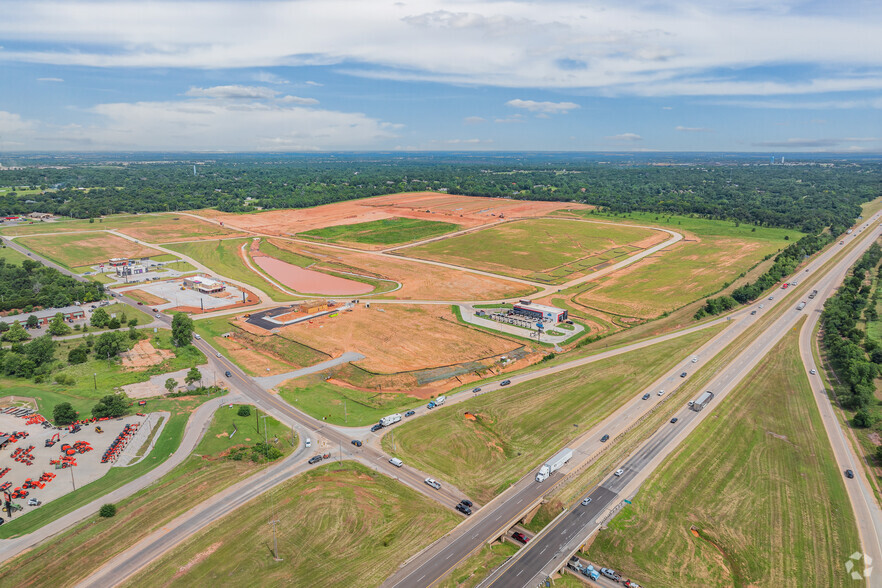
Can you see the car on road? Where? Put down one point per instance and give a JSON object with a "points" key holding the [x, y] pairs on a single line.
{"points": [[157, 315], [356, 442], [410, 413], [396, 462], [463, 509], [849, 474], [505, 382], [518, 536], [586, 501], [683, 375], [376, 428], [619, 472], [218, 353], [1, 518], [475, 390], [34, 502], [761, 306], [812, 371], [691, 402], [674, 420], [752, 312], [433, 483], [315, 459], [140, 304], [661, 392], [308, 442], [646, 396], [467, 502], [228, 374], [153, 310], [694, 358], [604, 439]]}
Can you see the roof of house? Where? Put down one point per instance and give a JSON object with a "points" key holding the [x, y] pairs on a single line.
{"points": [[45, 313]]}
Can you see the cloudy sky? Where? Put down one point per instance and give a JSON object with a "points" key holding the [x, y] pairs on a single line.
{"points": [[313, 75]]}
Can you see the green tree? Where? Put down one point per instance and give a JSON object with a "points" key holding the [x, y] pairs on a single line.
{"points": [[170, 385], [133, 322], [109, 345], [79, 354], [863, 418], [113, 323], [57, 326], [123, 319], [182, 329], [100, 318], [16, 333], [244, 411], [194, 375], [41, 350], [32, 322], [63, 413], [107, 511], [112, 405]]}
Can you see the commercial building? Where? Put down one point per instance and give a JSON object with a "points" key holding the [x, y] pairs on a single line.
{"points": [[130, 270], [540, 312], [46, 315], [118, 261], [204, 285]]}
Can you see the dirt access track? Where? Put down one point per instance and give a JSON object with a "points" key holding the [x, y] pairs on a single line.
{"points": [[398, 338], [468, 211]]}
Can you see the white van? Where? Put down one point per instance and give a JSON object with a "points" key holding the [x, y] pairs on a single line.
{"points": [[308, 442], [396, 462]]}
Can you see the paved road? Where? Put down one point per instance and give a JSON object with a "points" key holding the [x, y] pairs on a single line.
{"points": [[269, 382], [552, 548]]}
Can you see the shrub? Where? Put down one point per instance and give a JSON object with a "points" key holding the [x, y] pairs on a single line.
{"points": [[244, 411], [107, 510], [64, 413]]}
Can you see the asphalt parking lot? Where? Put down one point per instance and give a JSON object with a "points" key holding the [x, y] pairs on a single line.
{"points": [[88, 469]]}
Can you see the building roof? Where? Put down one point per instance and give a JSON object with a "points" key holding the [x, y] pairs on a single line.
{"points": [[45, 313], [208, 282], [539, 307]]}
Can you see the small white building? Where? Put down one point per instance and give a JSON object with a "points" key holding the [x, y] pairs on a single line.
{"points": [[130, 270], [204, 285]]}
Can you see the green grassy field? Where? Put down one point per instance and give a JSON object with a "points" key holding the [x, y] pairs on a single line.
{"points": [[12, 256], [166, 444], [388, 231], [76, 553], [470, 572], [344, 406], [759, 481], [244, 431], [687, 271], [519, 426], [152, 228], [341, 525], [285, 255], [525, 247], [82, 250], [223, 258]]}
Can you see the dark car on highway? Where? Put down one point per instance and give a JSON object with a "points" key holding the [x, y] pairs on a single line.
{"points": [[475, 390], [646, 396], [604, 439], [356, 442], [466, 502], [518, 536], [410, 413], [674, 420], [315, 459], [849, 474], [505, 382], [683, 375], [228, 374], [376, 428], [463, 509]]}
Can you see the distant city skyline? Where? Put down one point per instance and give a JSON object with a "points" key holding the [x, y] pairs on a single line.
{"points": [[325, 75]]}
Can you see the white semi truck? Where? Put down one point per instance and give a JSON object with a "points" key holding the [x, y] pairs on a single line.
{"points": [[554, 464], [389, 420]]}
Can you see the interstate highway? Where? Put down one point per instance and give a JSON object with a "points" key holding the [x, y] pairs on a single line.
{"points": [[551, 549]]}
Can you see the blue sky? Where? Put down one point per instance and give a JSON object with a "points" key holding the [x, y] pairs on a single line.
{"points": [[315, 75]]}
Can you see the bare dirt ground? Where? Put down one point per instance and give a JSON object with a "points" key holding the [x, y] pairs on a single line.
{"points": [[143, 355], [463, 210], [81, 249], [419, 281], [399, 338], [146, 297], [168, 228]]}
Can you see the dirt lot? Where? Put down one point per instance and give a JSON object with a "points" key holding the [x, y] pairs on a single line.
{"points": [[464, 210], [419, 281], [144, 355], [394, 338], [82, 249], [168, 228], [146, 297], [88, 468]]}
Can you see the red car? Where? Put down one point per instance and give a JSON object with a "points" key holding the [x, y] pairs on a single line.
{"points": [[518, 536]]}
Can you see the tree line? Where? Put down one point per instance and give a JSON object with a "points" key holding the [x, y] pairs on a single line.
{"points": [[31, 284]]}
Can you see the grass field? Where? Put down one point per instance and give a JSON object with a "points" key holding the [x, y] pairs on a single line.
{"points": [[223, 258], [344, 406], [388, 231], [712, 254], [519, 426], [341, 525], [758, 480], [84, 249], [528, 247], [12, 256], [166, 444], [76, 553], [476, 568], [153, 228]]}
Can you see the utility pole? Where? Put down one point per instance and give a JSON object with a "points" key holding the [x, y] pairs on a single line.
{"points": [[257, 418]]}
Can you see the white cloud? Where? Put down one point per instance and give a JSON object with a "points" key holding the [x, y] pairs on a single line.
{"points": [[474, 120], [543, 107], [514, 118], [58, 80], [669, 47], [693, 129], [467, 141], [232, 92], [299, 100], [625, 138], [265, 77], [311, 83], [206, 121]]}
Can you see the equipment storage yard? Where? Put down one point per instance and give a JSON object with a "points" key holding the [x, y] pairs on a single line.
{"points": [[88, 466]]}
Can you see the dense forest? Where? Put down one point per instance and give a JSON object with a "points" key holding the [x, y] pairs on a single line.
{"points": [[805, 195], [32, 284]]}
